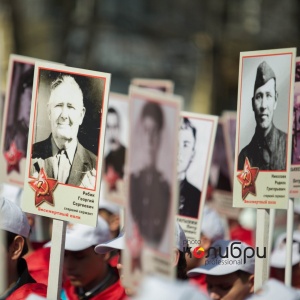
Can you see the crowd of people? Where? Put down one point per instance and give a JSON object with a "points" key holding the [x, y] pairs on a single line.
{"points": [[92, 267]]}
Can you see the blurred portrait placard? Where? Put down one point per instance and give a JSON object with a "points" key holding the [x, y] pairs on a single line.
{"points": [[264, 128], [229, 127], [162, 85], [65, 145], [295, 160], [152, 188], [116, 143], [16, 117], [196, 142]]}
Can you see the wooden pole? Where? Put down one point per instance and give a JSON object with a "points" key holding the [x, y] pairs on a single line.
{"points": [[262, 241], [289, 243], [56, 259], [2, 263], [271, 233]]}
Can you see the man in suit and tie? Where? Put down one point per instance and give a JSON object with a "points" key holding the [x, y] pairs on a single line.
{"points": [[61, 155]]}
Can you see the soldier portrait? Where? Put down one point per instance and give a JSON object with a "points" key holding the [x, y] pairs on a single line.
{"points": [[264, 113]]}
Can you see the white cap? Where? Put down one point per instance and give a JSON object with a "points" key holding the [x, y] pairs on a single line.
{"points": [[80, 237], [247, 218], [180, 238], [119, 242], [109, 206], [212, 225], [231, 257], [116, 244], [11, 192], [160, 288], [13, 219], [275, 290], [278, 255]]}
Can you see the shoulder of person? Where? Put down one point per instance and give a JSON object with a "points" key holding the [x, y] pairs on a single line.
{"points": [[280, 133], [87, 154], [42, 149]]}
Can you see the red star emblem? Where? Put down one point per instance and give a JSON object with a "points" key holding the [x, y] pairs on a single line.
{"points": [[13, 157], [247, 179], [43, 187]]}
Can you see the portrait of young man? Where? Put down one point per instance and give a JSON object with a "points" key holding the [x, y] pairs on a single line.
{"points": [[68, 151], [150, 192], [190, 195], [267, 148]]}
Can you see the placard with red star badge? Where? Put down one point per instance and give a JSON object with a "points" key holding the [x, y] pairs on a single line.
{"points": [[16, 115], [264, 129], [66, 141]]}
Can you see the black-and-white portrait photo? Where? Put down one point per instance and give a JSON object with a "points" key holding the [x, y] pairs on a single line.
{"points": [[116, 142], [152, 164], [18, 112], [264, 111], [219, 176], [67, 127], [194, 142], [296, 119]]}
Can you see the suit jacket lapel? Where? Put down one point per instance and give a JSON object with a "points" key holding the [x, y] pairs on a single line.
{"points": [[79, 166]]}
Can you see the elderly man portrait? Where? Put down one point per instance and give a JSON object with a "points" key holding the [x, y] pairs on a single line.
{"points": [[61, 155], [189, 195], [267, 149]]}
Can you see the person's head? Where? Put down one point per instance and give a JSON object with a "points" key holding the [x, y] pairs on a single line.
{"points": [[179, 259], [83, 266], [229, 273], [152, 122], [24, 94], [187, 141], [65, 109], [14, 224], [110, 212], [264, 100], [278, 258], [212, 229], [113, 129]]}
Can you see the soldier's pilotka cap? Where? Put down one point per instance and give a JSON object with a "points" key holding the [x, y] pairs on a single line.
{"points": [[263, 75]]}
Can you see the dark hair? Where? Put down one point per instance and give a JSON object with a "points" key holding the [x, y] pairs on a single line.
{"points": [[187, 124], [181, 267], [154, 111], [10, 236], [243, 275], [111, 110]]}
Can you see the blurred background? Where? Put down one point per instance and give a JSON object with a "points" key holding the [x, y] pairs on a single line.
{"points": [[195, 43]]}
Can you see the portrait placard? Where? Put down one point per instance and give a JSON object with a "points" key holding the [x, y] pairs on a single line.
{"points": [[219, 176], [16, 117], [65, 145], [196, 142], [295, 160], [163, 85], [229, 127], [264, 128], [152, 185], [116, 143]]}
